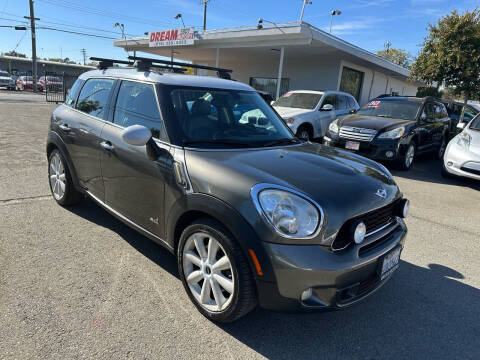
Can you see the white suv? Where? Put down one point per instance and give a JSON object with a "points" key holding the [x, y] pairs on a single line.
{"points": [[309, 113]]}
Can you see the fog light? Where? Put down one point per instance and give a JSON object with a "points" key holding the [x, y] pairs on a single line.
{"points": [[359, 232], [404, 207], [449, 163], [389, 154], [306, 294]]}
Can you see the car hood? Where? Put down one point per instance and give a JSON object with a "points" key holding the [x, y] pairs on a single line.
{"points": [[286, 112], [342, 183], [372, 122]]}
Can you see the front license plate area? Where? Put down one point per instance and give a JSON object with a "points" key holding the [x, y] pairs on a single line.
{"points": [[352, 145], [390, 263]]}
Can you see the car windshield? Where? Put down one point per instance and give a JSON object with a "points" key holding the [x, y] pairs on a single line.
{"points": [[53, 79], [299, 100], [475, 125], [218, 118], [397, 109], [4, 74], [27, 78]]}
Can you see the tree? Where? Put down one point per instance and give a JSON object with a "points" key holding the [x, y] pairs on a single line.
{"points": [[397, 56], [14, 53], [451, 54]]}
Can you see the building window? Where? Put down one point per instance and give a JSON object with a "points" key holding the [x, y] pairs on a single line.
{"points": [[351, 82], [270, 85]]}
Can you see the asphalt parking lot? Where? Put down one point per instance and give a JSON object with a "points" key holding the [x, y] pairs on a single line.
{"points": [[77, 283]]}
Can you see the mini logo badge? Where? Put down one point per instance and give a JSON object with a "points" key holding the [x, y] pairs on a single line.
{"points": [[382, 193]]}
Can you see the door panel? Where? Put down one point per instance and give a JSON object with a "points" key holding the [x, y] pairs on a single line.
{"points": [[425, 128], [134, 183]]}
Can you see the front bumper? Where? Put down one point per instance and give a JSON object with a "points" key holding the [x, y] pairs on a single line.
{"points": [[337, 279], [377, 149], [461, 162]]}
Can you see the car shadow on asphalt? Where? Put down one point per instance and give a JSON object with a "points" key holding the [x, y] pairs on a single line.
{"points": [[420, 313], [90, 211], [429, 170]]}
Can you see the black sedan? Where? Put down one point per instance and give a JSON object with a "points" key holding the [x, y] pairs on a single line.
{"points": [[393, 129]]}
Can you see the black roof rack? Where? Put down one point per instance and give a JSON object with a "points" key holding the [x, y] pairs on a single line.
{"points": [[104, 63], [144, 63]]}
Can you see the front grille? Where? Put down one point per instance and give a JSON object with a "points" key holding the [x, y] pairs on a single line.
{"points": [[374, 220], [359, 134]]}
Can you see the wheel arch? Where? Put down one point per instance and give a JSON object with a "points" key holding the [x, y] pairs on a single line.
{"points": [[309, 126], [54, 141], [193, 207]]}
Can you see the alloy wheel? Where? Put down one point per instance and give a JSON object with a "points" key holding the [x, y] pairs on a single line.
{"points": [[56, 172], [409, 155], [441, 150], [208, 272]]}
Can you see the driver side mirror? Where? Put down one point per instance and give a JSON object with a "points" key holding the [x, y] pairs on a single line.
{"points": [[461, 125], [272, 102], [327, 107], [136, 135], [353, 111]]}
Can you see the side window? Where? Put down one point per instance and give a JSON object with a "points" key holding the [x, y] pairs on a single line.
{"points": [[351, 102], [428, 113], [342, 103], [330, 99], [93, 97], [438, 112], [468, 114], [137, 105], [73, 92]]}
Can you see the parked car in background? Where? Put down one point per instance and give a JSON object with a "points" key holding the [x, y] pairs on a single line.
{"points": [[394, 129], [239, 204], [13, 83], [54, 83], [5, 79], [462, 157], [459, 113], [25, 82], [309, 113]]}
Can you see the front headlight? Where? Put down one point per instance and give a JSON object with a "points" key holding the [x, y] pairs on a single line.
{"points": [[333, 127], [393, 134], [464, 140], [290, 214]]}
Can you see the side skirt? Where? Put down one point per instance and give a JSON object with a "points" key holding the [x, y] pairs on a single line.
{"points": [[130, 223]]}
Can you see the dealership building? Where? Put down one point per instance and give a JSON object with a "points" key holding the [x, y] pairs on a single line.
{"points": [[23, 66], [301, 55]]}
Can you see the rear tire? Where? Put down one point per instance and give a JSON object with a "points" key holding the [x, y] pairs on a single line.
{"points": [[207, 252], [442, 148], [60, 180]]}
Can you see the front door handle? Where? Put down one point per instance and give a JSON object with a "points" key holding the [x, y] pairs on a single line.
{"points": [[64, 127], [107, 145]]}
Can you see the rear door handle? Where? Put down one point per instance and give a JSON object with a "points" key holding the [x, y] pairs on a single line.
{"points": [[107, 145], [64, 127]]}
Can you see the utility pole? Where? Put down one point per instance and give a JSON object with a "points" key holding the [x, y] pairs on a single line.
{"points": [[305, 2], [34, 45], [84, 53], [204, 2]]}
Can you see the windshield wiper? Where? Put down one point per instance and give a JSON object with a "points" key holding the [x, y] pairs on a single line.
{"points": [[218, 142], [283, 141]]}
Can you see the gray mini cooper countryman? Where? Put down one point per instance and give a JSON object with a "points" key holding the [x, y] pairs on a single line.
{"points": [[206, 168]]}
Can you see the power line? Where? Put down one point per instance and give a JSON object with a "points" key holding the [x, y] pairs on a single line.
{"points": [[76, 32], [100, 12]]}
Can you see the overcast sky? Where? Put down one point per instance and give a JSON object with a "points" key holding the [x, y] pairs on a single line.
{"points": [[365, 23]]}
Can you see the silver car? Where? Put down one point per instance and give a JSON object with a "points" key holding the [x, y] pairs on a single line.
{"points": [[462, 156]]}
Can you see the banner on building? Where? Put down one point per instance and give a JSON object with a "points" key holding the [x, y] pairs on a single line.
{"points": [[172, 37]]}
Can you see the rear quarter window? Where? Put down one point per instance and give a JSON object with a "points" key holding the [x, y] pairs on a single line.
{"points": [[94, 96], [73, 93]]}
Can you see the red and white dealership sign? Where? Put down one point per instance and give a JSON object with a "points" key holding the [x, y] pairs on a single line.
{"points": [[184, 36]]}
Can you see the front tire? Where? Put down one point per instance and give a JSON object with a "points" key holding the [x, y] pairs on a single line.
{"points": [[442, 148], [407, 160], [60, 180], [304, 133], [215, 272]]}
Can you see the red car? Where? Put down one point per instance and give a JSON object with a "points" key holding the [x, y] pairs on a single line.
{"points": [[53, 83], [26, 83]]}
